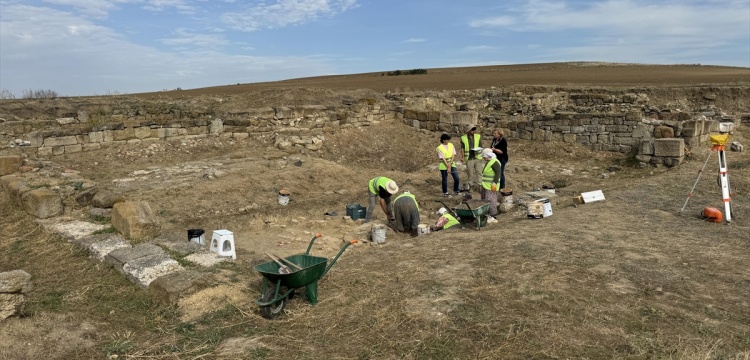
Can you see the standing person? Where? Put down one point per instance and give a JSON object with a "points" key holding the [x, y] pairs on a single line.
{"points": [[445, 221], [380, 190], [500, 148], [406, 212], [471, 145], [490, 178], [447, 155]]}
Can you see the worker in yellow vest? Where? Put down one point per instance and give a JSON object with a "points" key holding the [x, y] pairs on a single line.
{"points": [[471, 146], [490, 178], [445, 221], [379, 190], [447, 155], [406, 212]]}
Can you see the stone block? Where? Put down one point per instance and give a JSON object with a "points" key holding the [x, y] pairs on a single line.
{"points": [[661, 132], [10, 164], [60, 141], [120, 257], [11, 304], [646, 148], [142, 132], [16, 281], [99, 250], [76, 148], [143, 271], [135, 220], [106, 199], [669, 147], [673, 161], [42, 203], [692, 128], [169, 288]]}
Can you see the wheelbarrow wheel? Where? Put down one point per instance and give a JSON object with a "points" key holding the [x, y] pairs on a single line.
{"points": [[273, 310]]}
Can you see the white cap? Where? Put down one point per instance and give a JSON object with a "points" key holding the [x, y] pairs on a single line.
{"points": [[442, 211], [487, 153]]}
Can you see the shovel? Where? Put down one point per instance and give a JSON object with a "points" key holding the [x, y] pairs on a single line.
{"points": [[283, 269], [289, 262], [448, 208]]}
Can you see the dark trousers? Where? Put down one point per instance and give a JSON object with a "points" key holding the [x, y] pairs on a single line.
{"points": [[502, 173], [444, 175]]}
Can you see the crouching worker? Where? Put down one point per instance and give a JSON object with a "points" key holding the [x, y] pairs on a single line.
{"points": [[380, 190], [445, 221], [406, 212]]}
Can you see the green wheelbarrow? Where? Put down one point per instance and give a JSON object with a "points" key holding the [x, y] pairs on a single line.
{"points": [[278, 287], [476, 211]]}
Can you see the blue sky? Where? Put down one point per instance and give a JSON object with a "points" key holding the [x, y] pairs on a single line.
{"points": [[98, 47]]}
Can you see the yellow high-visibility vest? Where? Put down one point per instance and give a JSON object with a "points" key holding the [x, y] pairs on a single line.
{"points": [[380, 181], [447, 154], [488, 174], [465, 141], [407, 195]]}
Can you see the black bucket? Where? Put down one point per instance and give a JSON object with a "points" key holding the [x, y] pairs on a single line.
{"points": [[195, 235]]}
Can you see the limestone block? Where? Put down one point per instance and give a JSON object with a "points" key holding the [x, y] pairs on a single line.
{"points": [[669, 147], [44, 151], [663, 132], [569, 138], [106, 199], [142, 132], [120, 257], [216, 127], [646, 148], [100, 249], [10, 164], [169, 288], [42, 203], [60, 141], [143, 271], [58, 150], [135, 220], [124, 134], [16, 281], [69, 149], [11, 304]]}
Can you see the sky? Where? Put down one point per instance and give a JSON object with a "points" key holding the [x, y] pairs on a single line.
{"points": [[99, 47]]}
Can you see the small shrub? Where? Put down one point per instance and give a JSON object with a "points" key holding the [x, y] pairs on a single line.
{"points": [[39, 94], [109, 230]]}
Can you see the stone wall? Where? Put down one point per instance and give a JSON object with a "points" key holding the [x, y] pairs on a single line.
{"points": [[606, 120]]}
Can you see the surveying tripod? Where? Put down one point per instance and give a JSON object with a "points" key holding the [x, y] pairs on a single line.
{"points": [[718, 144]]}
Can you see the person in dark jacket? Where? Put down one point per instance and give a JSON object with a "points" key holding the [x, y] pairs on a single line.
{"points": [[500, 148]]}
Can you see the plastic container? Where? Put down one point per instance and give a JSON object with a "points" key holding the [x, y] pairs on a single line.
{"points": [[423, 229], [356, 211], [377, 234], [546, 207], [196, 236], [283, 197], [507, 196]]}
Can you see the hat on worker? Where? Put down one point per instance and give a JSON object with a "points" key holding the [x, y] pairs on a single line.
{"points": [[442, 211], [470, 128], [487, 153], [391, 187]]}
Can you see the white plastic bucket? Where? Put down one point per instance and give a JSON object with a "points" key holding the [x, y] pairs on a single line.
{"points": [[423, 229], [283, 197], [507, 196], [377, 235], [546, 206]]}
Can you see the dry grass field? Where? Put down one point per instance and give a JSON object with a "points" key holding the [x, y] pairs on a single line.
{"points": [[630, 277]]}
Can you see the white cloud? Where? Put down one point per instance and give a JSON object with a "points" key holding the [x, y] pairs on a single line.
{"points": [[50, 49], [414, 40], [285, 12], [481, 48], [184, 37]]}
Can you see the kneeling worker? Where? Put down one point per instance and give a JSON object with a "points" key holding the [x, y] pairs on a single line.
{"points": [[406, 212], [380, 190], [445, 221]]}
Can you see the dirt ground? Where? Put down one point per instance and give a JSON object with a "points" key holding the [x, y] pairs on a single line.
{"points": [[629, 277]]}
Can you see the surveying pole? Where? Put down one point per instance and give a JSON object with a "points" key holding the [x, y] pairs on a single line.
{"points": [[718, 143]]}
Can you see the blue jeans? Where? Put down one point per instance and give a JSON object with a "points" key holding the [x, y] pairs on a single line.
{"points": [[502, 173], [444, 175]]}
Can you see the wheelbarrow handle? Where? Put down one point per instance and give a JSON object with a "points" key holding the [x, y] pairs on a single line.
{"points": [[315, 237], [351, 242]]}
